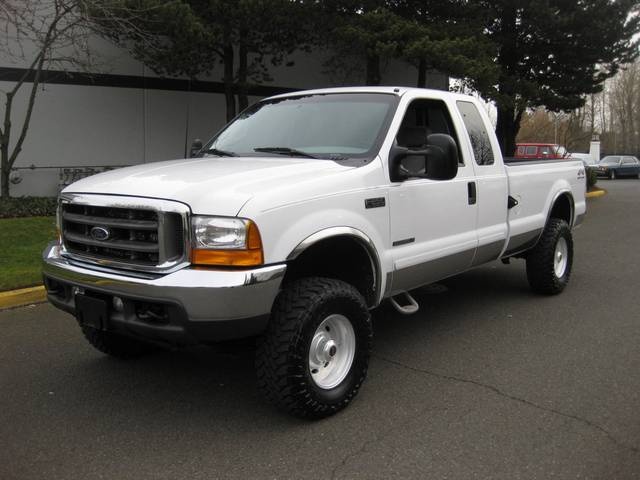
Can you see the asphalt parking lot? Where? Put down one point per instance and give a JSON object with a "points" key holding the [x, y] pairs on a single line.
{"points": [[487, 381]]}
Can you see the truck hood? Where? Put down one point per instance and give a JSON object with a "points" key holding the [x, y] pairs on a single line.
{"points": [[211, 185]]}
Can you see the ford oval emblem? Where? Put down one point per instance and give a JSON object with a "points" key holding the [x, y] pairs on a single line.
{"points": [[100, 233]]}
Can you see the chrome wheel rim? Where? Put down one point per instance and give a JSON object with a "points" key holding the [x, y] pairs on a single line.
{"points": [[332, 351], [561, 257]]}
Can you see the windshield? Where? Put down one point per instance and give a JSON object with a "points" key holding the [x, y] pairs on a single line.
{"points": [[609, 161], [331, 126]]}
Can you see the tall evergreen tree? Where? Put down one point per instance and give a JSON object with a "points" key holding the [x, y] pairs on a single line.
{"points": [[552, 53], [364, 33], [193, 37], [429, 34], [447, 40]]}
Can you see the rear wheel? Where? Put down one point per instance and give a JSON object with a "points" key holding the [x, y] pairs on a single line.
{"points": [[549, 262], [315, 353]]}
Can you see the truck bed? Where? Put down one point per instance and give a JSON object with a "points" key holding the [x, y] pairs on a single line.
{"points": [[535, 186]]}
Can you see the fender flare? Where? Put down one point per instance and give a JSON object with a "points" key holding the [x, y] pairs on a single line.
{"points": [[572, 205], [362, 238]]}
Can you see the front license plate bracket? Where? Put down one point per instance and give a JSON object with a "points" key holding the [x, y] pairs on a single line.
{"points": [[92, 312]]}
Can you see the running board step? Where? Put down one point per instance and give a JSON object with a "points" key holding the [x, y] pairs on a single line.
{"points": [[406, 305]]}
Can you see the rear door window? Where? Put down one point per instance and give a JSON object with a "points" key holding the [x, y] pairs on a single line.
{"points": [[480, 139]]}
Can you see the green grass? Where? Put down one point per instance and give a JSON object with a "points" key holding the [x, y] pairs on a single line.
{"points": [[22, 241]]}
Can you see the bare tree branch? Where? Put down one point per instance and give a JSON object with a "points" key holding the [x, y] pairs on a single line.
{"points": [[44, 33]]}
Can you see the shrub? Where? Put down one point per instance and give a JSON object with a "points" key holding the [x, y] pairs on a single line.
{"points": [[28, 207], [592, 178]]}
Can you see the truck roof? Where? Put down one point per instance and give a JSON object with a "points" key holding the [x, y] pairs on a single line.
{"points": [[399, 91]]}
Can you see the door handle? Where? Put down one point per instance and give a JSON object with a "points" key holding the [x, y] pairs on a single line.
{"points": [[471, 189]]}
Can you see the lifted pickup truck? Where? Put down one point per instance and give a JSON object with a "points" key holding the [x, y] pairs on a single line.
{"points": [[298, 218]]}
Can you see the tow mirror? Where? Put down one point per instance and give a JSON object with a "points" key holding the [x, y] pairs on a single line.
{"points": [[438, 161], [196, 146]]}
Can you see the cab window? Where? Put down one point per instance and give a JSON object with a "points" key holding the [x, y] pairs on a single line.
{"points": [[480, 139]]}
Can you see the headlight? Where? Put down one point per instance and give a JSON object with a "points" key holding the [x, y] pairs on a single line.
{"points": [[226, 241], [217, 232]]}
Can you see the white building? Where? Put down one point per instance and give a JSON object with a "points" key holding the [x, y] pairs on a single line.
{"points": [[83, 123]]}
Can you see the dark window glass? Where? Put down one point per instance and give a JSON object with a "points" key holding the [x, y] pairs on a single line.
{"points": [[532, 150], [325, 125], [610, 161], [480, 140], [422, 118]]}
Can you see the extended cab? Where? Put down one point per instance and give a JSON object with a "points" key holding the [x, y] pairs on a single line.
{"points": [[298, 218]]}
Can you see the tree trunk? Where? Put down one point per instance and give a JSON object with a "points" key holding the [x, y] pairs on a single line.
{"points": [[422, 73], [243, 95], [4, 150], [228, 82], [373, 69], [508, 123], [7, 158], [507, 129], [4, 177]]}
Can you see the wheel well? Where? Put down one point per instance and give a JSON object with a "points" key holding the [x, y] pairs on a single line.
{"points": [[342, 258], [563, 208]]}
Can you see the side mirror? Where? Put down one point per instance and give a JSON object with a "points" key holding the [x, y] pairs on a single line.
{"points": [[438, 161], [196, 146]]}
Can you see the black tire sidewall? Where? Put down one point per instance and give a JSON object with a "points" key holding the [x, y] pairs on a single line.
{"points": [[282, 356], [362, 330], [541, 260], [565, 233]]}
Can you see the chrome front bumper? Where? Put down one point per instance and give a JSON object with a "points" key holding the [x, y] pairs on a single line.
{"points": [[233, 303]]}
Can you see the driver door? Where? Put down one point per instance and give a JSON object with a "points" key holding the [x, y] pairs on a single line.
{"points": [[433, 222]]}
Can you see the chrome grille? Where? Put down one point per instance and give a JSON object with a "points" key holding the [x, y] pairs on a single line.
{"points": [[142, 236]]}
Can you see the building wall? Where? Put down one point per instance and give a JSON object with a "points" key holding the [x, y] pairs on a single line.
{"points": [[84, 123]]}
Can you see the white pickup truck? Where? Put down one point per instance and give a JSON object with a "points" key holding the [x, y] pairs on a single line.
{"points": [[298, 218]]}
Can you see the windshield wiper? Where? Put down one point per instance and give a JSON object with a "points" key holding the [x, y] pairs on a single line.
{"points": [[292, 152], [219, 153]]}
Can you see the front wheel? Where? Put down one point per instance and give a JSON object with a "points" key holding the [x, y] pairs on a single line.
{"points": [[315, 353], [613, 175], [549, 262]]}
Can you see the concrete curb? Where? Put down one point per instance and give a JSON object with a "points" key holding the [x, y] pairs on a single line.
{"points": [[24, 296], [596, 193]]}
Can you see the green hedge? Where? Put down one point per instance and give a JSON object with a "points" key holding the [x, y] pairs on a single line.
{"points": [[22, 241], [28, 207]]}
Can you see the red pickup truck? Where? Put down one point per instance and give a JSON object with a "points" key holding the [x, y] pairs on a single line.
{"points": [[534, 151]]}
